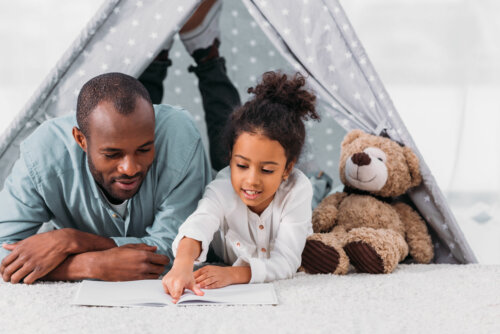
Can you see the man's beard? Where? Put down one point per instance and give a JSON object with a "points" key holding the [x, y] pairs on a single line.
{"points": [[106, 187]]}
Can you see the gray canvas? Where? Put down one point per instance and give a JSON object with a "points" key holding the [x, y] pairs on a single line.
{"points": [[310, 36]]}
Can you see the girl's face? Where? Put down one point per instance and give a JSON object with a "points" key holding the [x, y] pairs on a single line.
{"points": [[257, 169]]}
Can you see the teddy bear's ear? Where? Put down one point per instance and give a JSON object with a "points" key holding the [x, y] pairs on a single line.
{"points": [[413, 166], [351, 136]]}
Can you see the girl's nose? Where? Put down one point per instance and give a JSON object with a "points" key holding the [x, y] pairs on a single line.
{"points": [[253, 177]]}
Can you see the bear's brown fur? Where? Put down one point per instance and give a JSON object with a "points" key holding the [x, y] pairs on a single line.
{"points": [[364, 225]]}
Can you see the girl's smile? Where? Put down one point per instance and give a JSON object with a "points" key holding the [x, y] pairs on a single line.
{"points": [[251, 194], [258, 165]]}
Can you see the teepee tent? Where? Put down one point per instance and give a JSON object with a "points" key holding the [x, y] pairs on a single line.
{"points": [[313, 36]]}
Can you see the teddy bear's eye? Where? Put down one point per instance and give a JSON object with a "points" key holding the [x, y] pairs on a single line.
{"points": [[376, 153]]}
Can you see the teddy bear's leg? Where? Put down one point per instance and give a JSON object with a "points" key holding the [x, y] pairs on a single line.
{"points": [[375, 251], [324, 254]]}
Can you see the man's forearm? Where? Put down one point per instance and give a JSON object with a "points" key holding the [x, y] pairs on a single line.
{"points": [[81, 265], [125, 263], [88, 242], [74, 268]]}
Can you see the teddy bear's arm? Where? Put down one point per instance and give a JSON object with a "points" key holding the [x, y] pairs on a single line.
{"points": [[325, 214], [417, 235]]}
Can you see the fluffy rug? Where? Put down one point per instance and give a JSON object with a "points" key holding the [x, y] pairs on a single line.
{"points": [[413, 299]]}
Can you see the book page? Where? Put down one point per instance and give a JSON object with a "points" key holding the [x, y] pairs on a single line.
{"points": [[151, 293], [263, 294], [131, 293]]}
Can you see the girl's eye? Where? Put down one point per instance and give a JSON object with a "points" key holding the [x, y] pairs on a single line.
{"points": [[241, 166], [267, 171]]}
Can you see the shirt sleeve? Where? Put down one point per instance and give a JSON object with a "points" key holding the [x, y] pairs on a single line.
{"points": [[204, 222], [22, 207], [176, 206], [294, 228]]}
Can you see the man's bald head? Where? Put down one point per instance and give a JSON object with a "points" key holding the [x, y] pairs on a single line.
{"points": [[120, 89]]}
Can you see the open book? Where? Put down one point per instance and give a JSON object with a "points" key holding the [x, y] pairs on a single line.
{"points": [[151, 293]]}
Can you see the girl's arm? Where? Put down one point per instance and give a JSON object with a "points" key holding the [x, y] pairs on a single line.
{"points": [[181, 277], [214, 277]]}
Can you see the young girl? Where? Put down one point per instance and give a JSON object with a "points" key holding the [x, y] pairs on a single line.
{"points": [[256, 214]]}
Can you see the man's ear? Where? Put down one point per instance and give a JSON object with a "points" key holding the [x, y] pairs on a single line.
{"points": [[80, 138]]}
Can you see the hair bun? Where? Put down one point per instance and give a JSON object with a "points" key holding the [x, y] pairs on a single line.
{"points": [[278, 88]]}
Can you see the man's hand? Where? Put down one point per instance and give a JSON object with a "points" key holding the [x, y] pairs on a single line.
{"points": [[36, 256], [127, 263], [214, 277]]}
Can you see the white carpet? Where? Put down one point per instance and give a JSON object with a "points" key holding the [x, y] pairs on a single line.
{"points": [[414, 299]]}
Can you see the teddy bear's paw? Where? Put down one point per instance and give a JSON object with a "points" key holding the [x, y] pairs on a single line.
{"points": [[319, 258], [364, 258]]}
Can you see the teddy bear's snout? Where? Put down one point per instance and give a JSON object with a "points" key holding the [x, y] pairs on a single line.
{"points": [[361, 159]]}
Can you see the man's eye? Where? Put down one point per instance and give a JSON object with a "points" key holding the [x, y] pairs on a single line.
{"points": [[241, 166], [145, 150], [267, 171], [111, 156]]}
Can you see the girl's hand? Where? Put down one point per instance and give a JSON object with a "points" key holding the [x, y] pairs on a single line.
{"points": [[179, 278], [213, 277]]}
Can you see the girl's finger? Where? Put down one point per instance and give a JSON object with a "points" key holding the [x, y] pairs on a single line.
{"points": [[214, 285], [196, 289], [200, 278], [197, 273], [165, 286], [207, 282], [177, 290]]}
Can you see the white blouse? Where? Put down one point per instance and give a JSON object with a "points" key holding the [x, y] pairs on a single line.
{"points": [[271, 244]]}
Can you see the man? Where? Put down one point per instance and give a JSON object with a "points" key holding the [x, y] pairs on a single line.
{"points": [[116, 187]]}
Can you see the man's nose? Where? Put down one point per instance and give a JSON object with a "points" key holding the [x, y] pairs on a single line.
{"points": [[129, 166]]}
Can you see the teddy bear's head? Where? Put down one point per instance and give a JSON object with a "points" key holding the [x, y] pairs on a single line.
{"points": [[377, 165]]}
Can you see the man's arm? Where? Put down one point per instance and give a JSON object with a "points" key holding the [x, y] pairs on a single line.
{"points": [[37, 255], [69, 254], [22, 207], [125, 263]]}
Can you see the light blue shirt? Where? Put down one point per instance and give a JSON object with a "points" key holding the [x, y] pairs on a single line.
{"points": [[52, 182]]}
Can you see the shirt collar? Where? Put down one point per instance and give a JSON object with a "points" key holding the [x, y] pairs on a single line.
{"points": [[91, 181]]}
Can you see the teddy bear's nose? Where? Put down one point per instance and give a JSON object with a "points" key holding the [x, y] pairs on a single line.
{"points": [[361, 159]]}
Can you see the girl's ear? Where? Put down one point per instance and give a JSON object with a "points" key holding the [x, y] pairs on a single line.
{"points": [[288, 170]]}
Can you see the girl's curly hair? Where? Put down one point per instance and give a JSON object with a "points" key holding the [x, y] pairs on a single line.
{"points": [[278, 109]]}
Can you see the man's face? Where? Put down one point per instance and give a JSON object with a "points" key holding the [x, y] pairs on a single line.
{"points": [[120, 148]]}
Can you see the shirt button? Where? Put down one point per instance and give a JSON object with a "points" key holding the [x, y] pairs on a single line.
{"points": [[114, 215], [261, 227], [263, 250]]}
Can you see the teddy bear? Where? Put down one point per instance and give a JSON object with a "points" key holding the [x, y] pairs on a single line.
{"points": [[368, 225]]}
